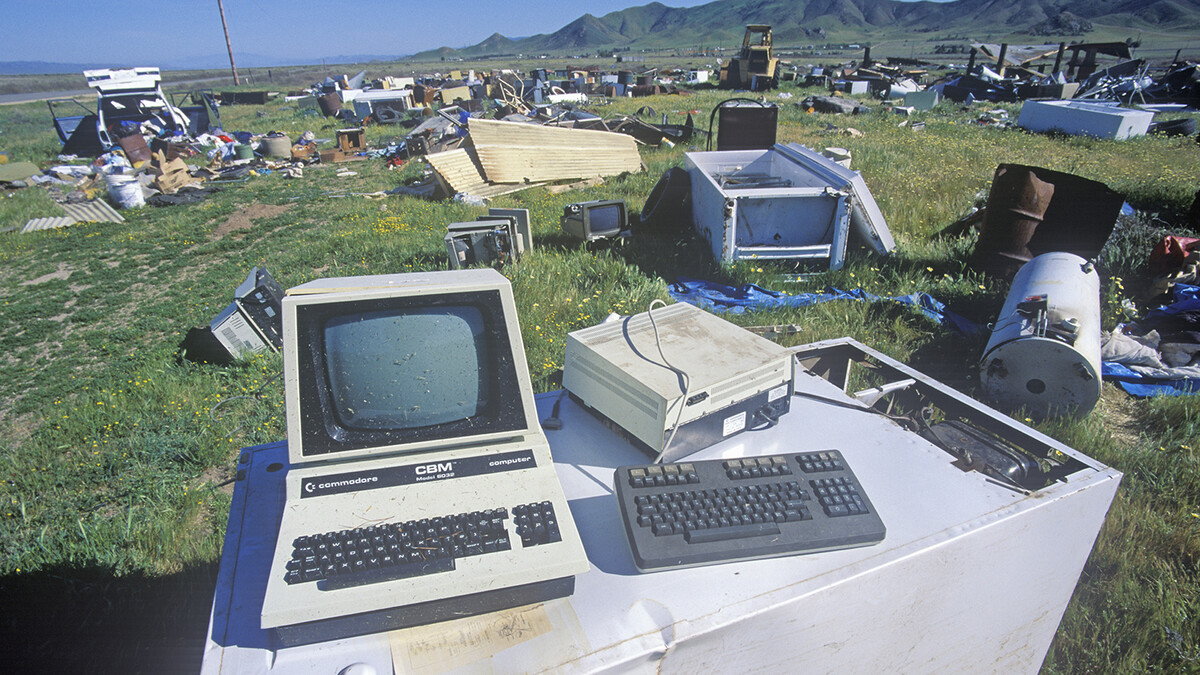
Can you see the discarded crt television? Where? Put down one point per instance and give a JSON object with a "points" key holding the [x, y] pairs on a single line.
{"points": [[783, 203], [601, 219], [502, 236]]}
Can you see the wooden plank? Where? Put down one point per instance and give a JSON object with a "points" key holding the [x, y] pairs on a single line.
{"points": [[458, 171], [513, 152]]}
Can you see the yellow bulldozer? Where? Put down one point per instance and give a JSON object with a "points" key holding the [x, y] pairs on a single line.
{"points": [[755, 67]]}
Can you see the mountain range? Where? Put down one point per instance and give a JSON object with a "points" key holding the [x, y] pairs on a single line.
{"points": [[804, 21], [722, 22]]}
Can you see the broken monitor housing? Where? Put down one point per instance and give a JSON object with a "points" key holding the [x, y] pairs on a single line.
{"points": [[786, 202], [252, 322], [503, 235], [678, 379]]}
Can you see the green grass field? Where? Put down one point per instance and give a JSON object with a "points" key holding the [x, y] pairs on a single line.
{"points": [[117, 458]]}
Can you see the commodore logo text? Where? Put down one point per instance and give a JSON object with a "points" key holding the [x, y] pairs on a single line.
{"points": [[409, 474], [432, 471]]}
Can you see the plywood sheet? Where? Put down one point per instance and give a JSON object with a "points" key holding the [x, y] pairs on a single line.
{"points": [[458, 169], [512, 152], [459, 172]]}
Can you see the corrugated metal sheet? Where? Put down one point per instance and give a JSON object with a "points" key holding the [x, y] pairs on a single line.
{"points": [[96, 211], [513, 152], [36, 224]]}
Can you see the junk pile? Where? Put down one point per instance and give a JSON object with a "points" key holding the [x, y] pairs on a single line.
{"points": [[1159, 352], [132, 113], [407, 100]]}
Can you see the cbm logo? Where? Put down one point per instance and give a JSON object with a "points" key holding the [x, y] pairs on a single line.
{"points": [[433, 469]]}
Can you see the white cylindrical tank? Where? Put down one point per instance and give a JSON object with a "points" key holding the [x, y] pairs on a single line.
{"points": [[1044, 353]]}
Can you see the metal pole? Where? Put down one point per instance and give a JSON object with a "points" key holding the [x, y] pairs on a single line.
{"points": [[228, 45]]}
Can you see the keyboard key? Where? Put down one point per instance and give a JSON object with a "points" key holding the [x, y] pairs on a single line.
{"points": [[379, 574], [731, 532]]}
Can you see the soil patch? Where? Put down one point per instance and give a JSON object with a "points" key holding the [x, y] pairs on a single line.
{"points": [[243, 219], [62, 272]]}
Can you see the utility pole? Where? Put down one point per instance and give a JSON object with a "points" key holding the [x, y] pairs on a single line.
{"points": [[228, 45]]}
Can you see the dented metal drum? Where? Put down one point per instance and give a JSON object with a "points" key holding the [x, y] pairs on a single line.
{"points": [[1044, 353]]}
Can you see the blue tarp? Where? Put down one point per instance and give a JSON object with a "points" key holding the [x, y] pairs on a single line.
{"points": [[737, 299], [1186, 299], [1137, 384]]}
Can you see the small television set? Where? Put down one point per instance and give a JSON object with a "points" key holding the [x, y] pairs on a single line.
{"points": [[486, 242], [392, 364], [589, 221]]}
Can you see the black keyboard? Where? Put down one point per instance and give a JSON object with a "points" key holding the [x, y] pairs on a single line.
{"points": [[708, 511], [389, 551]]}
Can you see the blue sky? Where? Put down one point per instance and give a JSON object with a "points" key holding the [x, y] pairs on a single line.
{"points": [[154, 32]]}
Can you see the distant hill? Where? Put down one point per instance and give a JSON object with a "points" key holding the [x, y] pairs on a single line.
{"points": [[45, 67], [796, 21]]}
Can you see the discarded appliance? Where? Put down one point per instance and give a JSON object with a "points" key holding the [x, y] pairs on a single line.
{"points": [[600, 219], [853, 87], [501, 236], [1085, 118], [1044, 354], [251, 323], [744, 124], [1032, 211], [784, 203], [373, 102]]}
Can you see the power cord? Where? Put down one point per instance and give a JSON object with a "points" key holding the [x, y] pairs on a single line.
{"points": [[553, 423], [687, 380]]}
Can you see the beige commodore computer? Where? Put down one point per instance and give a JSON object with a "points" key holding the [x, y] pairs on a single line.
{"points": [[421, 486]]}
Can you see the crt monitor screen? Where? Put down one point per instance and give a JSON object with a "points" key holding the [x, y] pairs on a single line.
{"points": [[400, 370], [606, 219], [594, 220]]}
